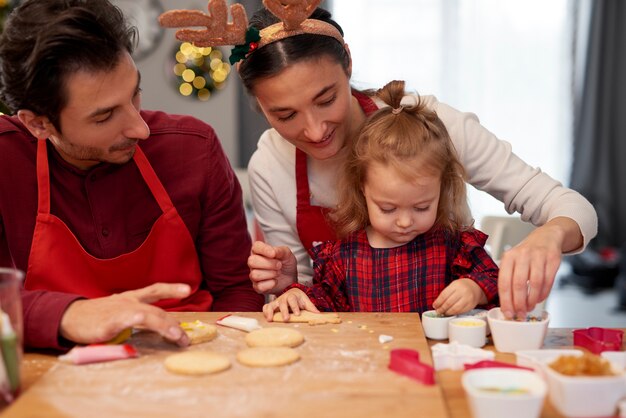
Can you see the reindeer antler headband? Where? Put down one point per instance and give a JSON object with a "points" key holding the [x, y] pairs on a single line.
{"points": [[292, 13]]}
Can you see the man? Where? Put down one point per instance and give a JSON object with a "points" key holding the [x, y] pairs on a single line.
{"points": [[115, 214]]}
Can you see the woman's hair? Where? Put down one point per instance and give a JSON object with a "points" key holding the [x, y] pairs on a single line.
{"points": [[44, 42], [411, 139], [271, 59]]}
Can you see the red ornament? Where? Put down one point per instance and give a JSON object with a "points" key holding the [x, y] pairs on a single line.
{"points": [[253, 46]]}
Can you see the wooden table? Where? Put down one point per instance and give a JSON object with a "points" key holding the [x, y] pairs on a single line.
{"points": [[343, 372], [450, 381]]}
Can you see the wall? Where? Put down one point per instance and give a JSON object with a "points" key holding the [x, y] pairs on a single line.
{"points": [[158, 90]]}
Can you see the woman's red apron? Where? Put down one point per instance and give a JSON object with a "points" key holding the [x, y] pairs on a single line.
{"points": [[311, 221], [58, 262]]}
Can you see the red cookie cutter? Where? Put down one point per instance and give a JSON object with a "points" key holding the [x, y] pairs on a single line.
{"points": [[484, 364], [407, 362], [597, 339]]}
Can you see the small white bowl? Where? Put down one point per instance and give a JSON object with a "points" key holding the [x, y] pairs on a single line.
{"points": [[511, 335], [435, 326], [469, 331], [492, 392], [476, 313], [585, 396]]}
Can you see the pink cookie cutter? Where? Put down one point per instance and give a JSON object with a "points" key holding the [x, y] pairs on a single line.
{"points": [[597, 339], [407, 362], [484, 364]]}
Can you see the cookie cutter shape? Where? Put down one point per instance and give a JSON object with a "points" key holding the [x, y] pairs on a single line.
{"points": [[486, 364], [407, 362], [597, 340], [453, 356]]}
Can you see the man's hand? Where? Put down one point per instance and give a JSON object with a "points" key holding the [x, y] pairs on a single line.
{"points": [[88, 321], [272, 269]]}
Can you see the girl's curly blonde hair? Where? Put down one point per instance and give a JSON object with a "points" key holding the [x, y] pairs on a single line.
{"points": [[411, 139]]}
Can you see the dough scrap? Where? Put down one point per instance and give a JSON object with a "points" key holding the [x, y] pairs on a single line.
{"points": [[196, 363], [267, 356], [274, 337], [312, 318], [199, 332]]}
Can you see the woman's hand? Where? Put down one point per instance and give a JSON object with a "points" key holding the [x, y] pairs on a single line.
{"points": [[272, 269], [459, 296], [294, 300], [527, 271]]}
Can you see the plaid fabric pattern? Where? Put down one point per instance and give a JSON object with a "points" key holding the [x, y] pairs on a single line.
{"points": [[351, 276]]}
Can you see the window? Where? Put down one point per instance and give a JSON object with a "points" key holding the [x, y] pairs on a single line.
{"points": [[509, 62]]}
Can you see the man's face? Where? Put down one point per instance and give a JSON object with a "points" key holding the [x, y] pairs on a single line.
{"points": [[101, 121]]}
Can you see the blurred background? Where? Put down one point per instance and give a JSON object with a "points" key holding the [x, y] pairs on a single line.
{"points": [[546, 76]]}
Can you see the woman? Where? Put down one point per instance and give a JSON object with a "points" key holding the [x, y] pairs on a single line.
{"points": [[407, 242], [299, 74]]}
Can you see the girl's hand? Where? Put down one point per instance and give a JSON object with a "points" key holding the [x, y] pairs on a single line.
{"points": [[294, 300], [527, 271], [272, 269], [459, 296]]}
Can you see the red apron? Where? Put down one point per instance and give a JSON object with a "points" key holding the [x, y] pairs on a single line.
{"points": [[58, 262], [311, 221]]}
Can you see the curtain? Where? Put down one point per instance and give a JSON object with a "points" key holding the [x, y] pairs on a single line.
{"points": [[599, 160]]}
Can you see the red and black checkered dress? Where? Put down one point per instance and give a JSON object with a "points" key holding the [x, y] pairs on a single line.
{"points": [[351, 276]]}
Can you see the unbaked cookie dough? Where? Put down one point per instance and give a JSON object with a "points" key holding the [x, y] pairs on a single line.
{"points": [[312, 318], [196, 363], [274, 337], [267, 356], [198, 331]]}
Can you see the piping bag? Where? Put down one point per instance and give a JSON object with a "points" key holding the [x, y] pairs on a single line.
{"points": [[96, 353]]}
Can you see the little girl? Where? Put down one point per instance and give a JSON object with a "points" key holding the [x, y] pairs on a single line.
{"points": [[407, 238]]}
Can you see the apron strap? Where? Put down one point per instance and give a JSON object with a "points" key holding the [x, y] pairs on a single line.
{"points": [[302, 180], [365, 101], [43, 176], [153, 182]]}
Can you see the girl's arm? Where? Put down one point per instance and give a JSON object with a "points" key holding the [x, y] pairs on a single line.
{"points": [[327, 293], [474, 278]]}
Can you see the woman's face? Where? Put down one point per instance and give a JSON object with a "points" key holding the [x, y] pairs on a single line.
{"points": [[309, 104]]}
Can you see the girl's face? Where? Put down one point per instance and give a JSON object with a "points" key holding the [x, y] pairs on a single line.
{"points": [[310, 105], [399, 210]]}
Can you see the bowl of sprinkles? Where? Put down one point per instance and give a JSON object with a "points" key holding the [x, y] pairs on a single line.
{"points": [[511, 335], [435, 325], [504, 392]]}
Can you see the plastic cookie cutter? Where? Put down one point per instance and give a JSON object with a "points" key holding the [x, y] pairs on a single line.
{"points": [[485, 364], [407, 362], [597, 339], [453, 356]]}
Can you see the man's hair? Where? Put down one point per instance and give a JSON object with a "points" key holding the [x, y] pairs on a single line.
{"points": [[45, 41]]}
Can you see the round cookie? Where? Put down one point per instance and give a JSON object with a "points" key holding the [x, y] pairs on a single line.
{"points": [[267, 356], [274, 337], [196, 363], [198, 331]]}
